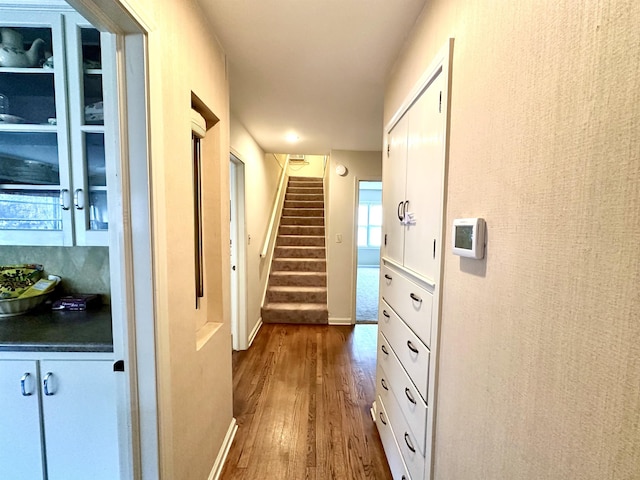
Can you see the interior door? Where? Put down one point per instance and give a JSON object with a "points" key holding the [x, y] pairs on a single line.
{"points": [[394, 176], [233, 250]]}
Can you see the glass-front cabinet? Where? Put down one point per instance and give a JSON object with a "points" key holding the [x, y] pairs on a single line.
{"points": [[53, 179]]}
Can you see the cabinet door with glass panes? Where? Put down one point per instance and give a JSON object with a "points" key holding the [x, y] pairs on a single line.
{"points": [[52, 174]]}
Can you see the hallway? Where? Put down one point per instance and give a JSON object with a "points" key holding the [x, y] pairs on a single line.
{"points": [[302, 396]]}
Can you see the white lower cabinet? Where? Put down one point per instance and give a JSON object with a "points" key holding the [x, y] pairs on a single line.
{"points": [[58, 420], [391, 448]]}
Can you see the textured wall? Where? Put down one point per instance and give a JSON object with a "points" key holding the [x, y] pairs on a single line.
{"points": [[540, 342], [341, 257]]}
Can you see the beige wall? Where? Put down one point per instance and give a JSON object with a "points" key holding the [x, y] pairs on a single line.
{"points": [[262, 173], [540, 351], [194, 384], [313, 166], [341, 257]]}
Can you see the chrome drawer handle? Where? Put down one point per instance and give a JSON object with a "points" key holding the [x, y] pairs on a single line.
{"points": [[23, 382], [384, 384], [384, 350], [411, 347], [64, 199], [382, 418], [45, 382], [407, 392], [415, 298], [407, 440], [388, 277], [78, 199], [384, 312]]}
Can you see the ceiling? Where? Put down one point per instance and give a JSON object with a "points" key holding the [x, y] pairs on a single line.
{"points": [[316, 68]]}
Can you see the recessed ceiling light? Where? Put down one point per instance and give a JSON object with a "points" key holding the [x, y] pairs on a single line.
{"points": [[292, 137]]}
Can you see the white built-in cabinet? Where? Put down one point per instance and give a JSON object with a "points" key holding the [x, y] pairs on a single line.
{"points": [[58, 417], [410, 274], [53, 166], [412, 183]]}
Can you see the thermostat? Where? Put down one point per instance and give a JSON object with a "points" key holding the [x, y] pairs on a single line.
{"points": [[468, 237]]}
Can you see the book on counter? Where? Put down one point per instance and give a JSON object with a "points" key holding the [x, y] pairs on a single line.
{"points": [[77, 302]]}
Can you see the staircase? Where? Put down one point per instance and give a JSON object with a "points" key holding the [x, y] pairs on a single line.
{"points": [[297, 290]]}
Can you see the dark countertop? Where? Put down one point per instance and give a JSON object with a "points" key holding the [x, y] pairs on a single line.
{"points": [[57, 331]]}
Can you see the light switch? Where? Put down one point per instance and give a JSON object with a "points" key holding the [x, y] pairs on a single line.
{"points": [[338, 238]]}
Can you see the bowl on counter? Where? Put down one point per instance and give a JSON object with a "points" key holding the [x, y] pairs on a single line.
{"points": [[12, 307]]}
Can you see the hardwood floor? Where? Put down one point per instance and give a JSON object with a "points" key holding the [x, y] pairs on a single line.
{"points": [[302, 396]]}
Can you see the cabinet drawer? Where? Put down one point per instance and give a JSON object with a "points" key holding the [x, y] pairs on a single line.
{"points": [[391, 449], [412, 302], [396, 382], [412, 353], [412, 457]]}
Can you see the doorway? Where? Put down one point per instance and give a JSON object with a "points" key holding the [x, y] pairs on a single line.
{"points": [[369, 235], [237, 252]]}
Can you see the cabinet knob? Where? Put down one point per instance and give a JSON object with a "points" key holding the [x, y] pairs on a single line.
{"points": [[47, 389], [23, 382]]}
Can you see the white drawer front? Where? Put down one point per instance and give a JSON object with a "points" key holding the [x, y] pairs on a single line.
{"points": [[396, 382], [413, 354], [412, 302], [391, 449], [411, 455]]}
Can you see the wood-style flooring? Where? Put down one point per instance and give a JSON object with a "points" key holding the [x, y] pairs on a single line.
{"points": [[302, 396]]}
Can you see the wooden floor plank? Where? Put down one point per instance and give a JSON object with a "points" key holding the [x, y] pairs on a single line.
{"points": [[302, 396]]}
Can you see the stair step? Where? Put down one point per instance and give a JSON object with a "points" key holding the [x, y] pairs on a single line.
{"points": [[300, 240], [304, 313], [314, 197], [303, 212], [299, 265], [297, 294], [301, 230], [303, 204], [293, 279], [315, 180], [300, 252], [294, 220], [306, 190]]}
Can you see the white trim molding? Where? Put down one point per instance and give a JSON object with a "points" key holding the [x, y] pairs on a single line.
{"points": [[216, 470]]}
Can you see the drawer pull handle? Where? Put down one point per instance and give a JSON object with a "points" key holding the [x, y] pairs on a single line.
{"points": [[411, 347], [382, 419], [384, 312], [23, 382], [384, 350], [407, 440], [384, 384], [45, 382], [415, 297], [404, 477], [388, 277], [407, 392]]}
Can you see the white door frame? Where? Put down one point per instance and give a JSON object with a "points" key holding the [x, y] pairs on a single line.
{"points": [[238, 223], [354, 269], [130, 247]]}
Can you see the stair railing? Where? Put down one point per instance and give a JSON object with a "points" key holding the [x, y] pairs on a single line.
{"points": [[277, 208]]}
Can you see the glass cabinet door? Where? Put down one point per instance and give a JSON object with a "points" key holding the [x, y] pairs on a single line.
{"points": [[86, 114], [34, 162]]}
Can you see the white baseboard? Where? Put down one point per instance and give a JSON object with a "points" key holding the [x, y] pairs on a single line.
{"points": [[340, 321], [254, 332], [224, 451]]}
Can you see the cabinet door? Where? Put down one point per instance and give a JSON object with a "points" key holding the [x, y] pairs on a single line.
{"points": [[34, 167], [87, 134], [20, 433], [425, 163], [80, 423], [394, 176]]}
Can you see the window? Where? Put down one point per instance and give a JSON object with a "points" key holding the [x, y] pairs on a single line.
{"points": [[369, 225]]}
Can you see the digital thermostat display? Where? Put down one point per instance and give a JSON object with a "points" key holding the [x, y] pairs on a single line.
{"points": [[468, 237]]}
